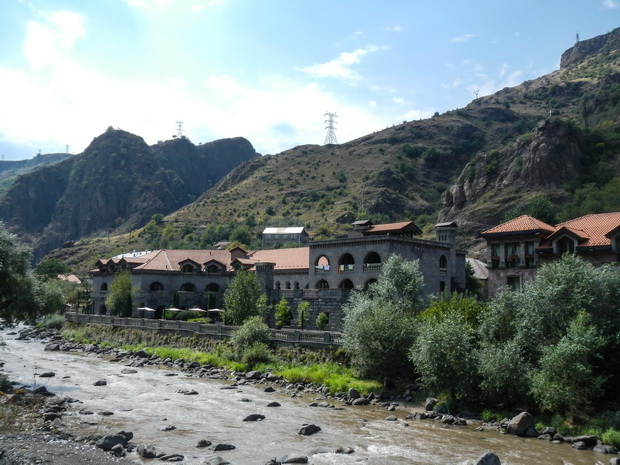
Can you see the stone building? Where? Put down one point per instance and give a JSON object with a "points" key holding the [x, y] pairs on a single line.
{"points": [[279, 237], [516, 248], [323, 273]]}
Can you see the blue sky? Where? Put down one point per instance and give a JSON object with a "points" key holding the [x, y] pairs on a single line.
{"points": [[266, 70]]}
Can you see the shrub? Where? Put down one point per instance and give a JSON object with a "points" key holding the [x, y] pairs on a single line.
{"points": [[5, 384], [321, 321], [611, 437], [253, 331], [53, 321], [258, 353]]}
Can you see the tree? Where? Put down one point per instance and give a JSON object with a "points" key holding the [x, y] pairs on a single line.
{"points": [[322, 320], [19, 288], [121, 294], [283, 313], [566, 382], [51, 268], [379, 325], [303, 311], [443, 355], [253, 331], [540, 207], [243, 299]]}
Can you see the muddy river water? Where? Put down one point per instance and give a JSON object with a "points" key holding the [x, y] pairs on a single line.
{"points": [[148, 403]]}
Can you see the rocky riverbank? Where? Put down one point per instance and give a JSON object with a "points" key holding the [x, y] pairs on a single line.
{"points": [[58, 431]]}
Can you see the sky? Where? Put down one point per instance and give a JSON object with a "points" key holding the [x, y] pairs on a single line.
{"points": [[266, 70]]}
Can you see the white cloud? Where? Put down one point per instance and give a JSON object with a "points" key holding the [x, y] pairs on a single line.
{"points": [[47, 41], [398, 100], [396, 28], [372, 104], [610, 4], [463, 38], [340, 68]]}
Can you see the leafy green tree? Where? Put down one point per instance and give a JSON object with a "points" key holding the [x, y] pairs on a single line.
{"points": [[468, 307], [303, 311], [566, 382], [540, 207], [443, 356], [52, 297], [283, 313], [121, 294], [243, 299], [51, 268], [379, 325], [19, 288], [322, 320]]}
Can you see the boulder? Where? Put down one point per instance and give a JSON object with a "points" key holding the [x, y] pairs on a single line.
{"points": [[223, 446], [172, 458], [353, 394], [147, 451], [273, 404], [361, 401], [307, 430], [216, 460], [47, 374], [253, 375], [589, 440], [108, 442], [344, 450], [118, 450], [391, 418], [254, 417], [203, 443], [294, 458], [580, 445], [488, 459], [520, 424], [614, 461], [605, 449], [100, 382], [430, 403]]}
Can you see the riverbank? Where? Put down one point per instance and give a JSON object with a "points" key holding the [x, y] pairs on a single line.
{"points": [[174, 405]]}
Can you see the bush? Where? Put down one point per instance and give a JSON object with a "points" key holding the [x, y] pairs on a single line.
{"points": [[611, 437], [258, 353], [253, 331], [321, 321], [5, 384], [53, 321]]}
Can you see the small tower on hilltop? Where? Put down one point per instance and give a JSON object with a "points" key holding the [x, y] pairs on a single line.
{"points": [[179, 129], [330, 137]]}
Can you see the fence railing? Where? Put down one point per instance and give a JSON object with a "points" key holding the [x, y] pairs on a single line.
{"points": [[278, 336]]}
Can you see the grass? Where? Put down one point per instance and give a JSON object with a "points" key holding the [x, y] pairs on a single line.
{"points": [[336, 377]]}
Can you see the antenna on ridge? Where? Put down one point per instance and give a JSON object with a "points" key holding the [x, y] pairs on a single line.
{"points": [[577, 38], [179, 129], [330, 137], [476, 92]]}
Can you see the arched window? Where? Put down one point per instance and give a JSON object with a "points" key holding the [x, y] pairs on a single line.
{"points": [[372, 262], [188, 268], [322, 284], [443, 262], [212, 287], [287, 285], [188, 287], [156, 286], [296, 285], [346, 284], [278, 285], [322, 264], [346, 263], [104, 287]]}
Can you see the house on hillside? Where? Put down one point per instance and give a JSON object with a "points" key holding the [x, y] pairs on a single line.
{"points": [[277, 237], [516, 248], [322, 273]]}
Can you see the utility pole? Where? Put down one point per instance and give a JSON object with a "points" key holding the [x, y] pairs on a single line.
{"points": [[330, 137], [179, 129]]}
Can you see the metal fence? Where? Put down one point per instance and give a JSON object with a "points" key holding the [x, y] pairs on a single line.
{"points": [[278, 336]]}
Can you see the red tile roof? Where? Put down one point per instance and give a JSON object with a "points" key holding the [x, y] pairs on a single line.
{"points": [[168, 260], [284, 259], [524, 224], [592, 230]]}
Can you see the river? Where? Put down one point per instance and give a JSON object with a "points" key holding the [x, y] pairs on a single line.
{"points": [[149, 401]]}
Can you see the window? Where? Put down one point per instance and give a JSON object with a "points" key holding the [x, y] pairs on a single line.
{"points": [[346, 284], [322, 284], [156, 286], [529, 253], [213, 268], [347, 263], [564, 245], [372, 262], [442, 286], [512, 254], [187, 268], [322, 264], [495, 256], [188, 287], [514, 282], [443, 262], [104, 287]]}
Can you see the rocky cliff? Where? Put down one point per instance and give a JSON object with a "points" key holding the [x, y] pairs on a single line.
{"points": [[117, 184]]}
